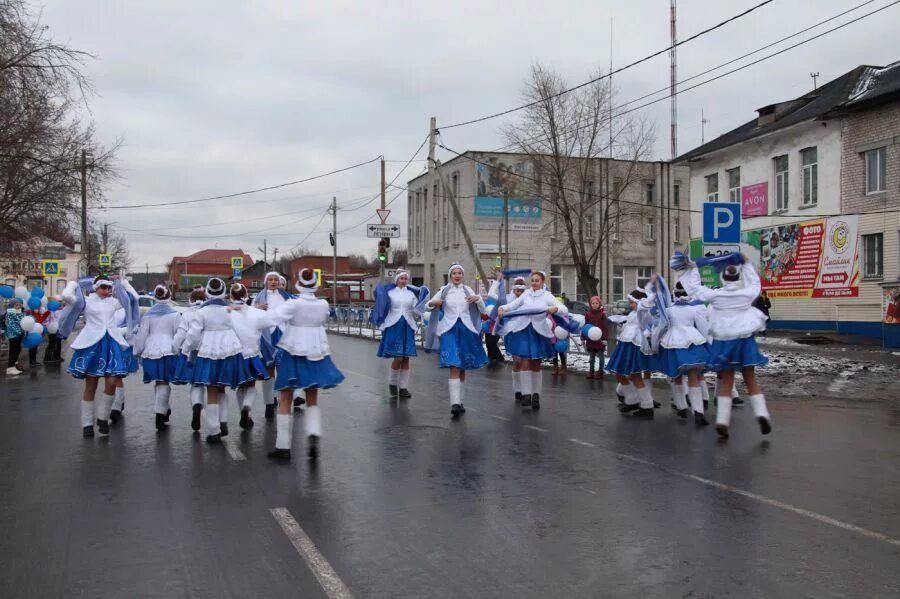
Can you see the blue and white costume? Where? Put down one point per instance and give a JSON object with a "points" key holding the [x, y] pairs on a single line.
{"points": [[272, 300], [683, 348], [184, 365], [518, 288], [248, 321], [394, 314], [627, 358], [732, 325], [154, 343], [531, 337]]}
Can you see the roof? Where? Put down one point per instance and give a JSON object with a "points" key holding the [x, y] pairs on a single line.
{"points": [[874, 86], [214, 256], [818, 104]]}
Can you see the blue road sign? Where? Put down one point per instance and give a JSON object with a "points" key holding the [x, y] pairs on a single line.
{"points": [[721, 223], [236, 273]]}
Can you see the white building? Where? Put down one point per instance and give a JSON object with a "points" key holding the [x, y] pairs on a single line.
{"points": [[20, 264]]}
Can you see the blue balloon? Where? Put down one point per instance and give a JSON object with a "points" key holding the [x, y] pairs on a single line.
{"points": [[37, 292], [34, 303], [32, 339], [490, 302], [562, 346], [584, 330], [53, 305], [425, 321], [486, 327], [7, 291]]}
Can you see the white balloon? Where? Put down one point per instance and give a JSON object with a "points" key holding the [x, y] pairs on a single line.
{"points": [[52, 328], [38, 328], [595, 334], [579, 318], [27, 323], [44, 301], [22, 292], [561, 333]]}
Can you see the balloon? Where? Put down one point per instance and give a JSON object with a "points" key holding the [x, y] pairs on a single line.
{"points": [[53, 305], [485, 326], [37, 292], [27, 323], [595, 334], [561, 333], [52, 327], [562, 346], [31, 340], [21, 291], [6, 291], [38, 328], [57, 298], [579, 318], [44, 302], [34, 303], [490, 302]]}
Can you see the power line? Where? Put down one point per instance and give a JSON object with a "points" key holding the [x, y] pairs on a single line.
{"points": [[611, 73], [397, 176], [308, 235], [251, 191]]}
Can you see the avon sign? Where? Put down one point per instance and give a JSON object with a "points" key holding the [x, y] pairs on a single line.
{"points": [[755, 199]]}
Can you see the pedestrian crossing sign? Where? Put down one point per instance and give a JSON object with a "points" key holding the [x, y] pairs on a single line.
{"points": [[105, 259], [318, 272], [237, 263], [50, 268]]}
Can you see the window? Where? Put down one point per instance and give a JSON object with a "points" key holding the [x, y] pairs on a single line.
{"points": [[876, 171], [445, 229], [650, 232], [589, 226], [556, 279], [435, 218], [649, 189], [677, 193], [781, 183], [456, 222], [676, 230], [614, 208], [643, 275], [809, 159], [873, 265], [734, 185], [60, 286], [417, 239], [712, 188], [618, 281]]}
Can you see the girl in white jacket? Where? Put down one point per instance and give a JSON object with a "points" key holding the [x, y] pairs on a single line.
{"points": [[184, 366], [398, 333], [155, 344], [248, 322], [303, 361], [99, 352], [518, 288], [531, 337], [629, 363]]}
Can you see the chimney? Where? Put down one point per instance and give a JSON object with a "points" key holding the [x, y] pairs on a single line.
{"points": [[766, 116]]}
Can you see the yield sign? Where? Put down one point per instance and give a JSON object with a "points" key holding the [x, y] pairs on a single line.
{"points": [[382, 214]]}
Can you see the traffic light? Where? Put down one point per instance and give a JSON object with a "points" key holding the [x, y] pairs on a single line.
{"points": [[383, 246]]}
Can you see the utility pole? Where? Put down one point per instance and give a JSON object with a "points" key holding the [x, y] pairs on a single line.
{"points": [[426, 262], [815, 77], [506, 228], [673, 84], [265, 257], [105, 238], [462, 225], [703, 121], [85, 244], [275, 257], [334, 256], [383, 207]]}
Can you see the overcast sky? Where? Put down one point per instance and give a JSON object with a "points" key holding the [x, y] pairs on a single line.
{"points": [[219, 97]]}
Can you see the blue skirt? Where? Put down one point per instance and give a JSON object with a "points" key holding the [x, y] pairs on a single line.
{"points": [[628, 359], [225, 372], [257, 368], [735, 354], [104, 358], [275, 337], [161, 370], [183, 370], [398, 341], [267, 350], [529, 344], [461, 348], [676, 361], [298, 372], [134, 362]]}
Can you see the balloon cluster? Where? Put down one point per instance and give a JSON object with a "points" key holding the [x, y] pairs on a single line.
{"points": [[37, 299]]}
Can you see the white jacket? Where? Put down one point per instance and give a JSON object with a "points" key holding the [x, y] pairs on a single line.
{"points": [[99, 320], [184, 325], [456, 308], [732, 315], [248, 323], [212, 334], [156, 335], [303, 321], [631, 331], [688, 325], [403, 302], [530, 298]]}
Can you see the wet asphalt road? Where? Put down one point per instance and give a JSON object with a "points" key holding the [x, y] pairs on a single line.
{"points": [[575, 501]]}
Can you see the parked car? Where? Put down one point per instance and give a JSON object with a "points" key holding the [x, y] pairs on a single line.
{"points": [[145, 303]]}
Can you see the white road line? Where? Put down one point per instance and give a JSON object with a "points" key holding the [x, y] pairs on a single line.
{"points": [[332, 584], [772, 502], [499, 417], [580, 442], [536, 428], [233, 450]]}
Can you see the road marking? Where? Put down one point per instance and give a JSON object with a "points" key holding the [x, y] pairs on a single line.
{"points": [[368, 376], [536, 428], [332, 584], [233, 450], [580, 442], [499, 417], [766, 500]]}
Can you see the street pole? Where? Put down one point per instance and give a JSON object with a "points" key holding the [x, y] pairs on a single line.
{"points": [[85, 244], [383, 193], [334, 256], [265, 257], [462, 224], [506, 227], [426, 248]]}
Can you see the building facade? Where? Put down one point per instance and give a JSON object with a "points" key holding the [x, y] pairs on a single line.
{"points": [[634, 222], [20, 264], [818, 181], [185, 272]]}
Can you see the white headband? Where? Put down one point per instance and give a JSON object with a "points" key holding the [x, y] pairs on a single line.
{"points": [[102, 283], [215, 294], [399, 274], [271, 274], [454, 266], [306, 285], [168, 296]]}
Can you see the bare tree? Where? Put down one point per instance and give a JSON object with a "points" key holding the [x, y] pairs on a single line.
{"points": [[361, 261], [400, 256], [42, 87], [564, 136]]}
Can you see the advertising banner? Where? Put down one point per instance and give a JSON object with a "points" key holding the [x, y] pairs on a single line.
{"points": [[892, 305], [755, 199], [493, 179]]}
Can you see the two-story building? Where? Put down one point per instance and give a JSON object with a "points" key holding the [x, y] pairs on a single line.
{"points": [[812, 176]]}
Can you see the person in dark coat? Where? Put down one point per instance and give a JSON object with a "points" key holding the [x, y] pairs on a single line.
{"points": [[763, 304], [597, 317]]}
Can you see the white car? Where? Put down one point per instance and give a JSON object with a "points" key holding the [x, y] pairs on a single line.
{"points": [[146, 303]]}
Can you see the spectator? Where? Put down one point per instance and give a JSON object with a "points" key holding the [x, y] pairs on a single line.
{"points": [[763, 304], [14, 335], [40, 316], [53, 353], [597, 317]]}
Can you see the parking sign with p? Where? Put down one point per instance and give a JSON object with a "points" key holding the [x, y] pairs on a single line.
{"points": [[721, 223]]}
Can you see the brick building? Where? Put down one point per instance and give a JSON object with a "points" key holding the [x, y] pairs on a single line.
{"points": [[187, 271], [354, 284]]}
